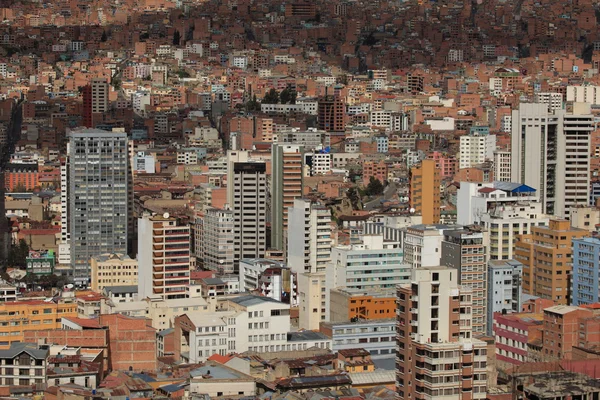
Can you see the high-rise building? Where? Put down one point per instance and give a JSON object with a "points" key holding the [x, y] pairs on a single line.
{"points": [[504, 289], [423, 244], [476, 147], [3, 222], [309, 242], [286, 185], [550, 151], [163, 257], [218, 240], [248, 188], [97, 201], [64, 247], [464, 250], [331, 111], [437, 357], [546, 255], [95, 101], [424, 191], [586, 271]]}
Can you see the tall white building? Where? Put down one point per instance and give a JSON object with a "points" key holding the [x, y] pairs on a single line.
{"points": [[247, 197], [218, 240], [64, 247], [550, 152], [313, 299], [504, 289], [423, 244], [309, 240], [476, 148]]}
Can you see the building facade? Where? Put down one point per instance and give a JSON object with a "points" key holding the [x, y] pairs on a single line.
{"points": [[586, 271], [424, 191], [218, 240]]}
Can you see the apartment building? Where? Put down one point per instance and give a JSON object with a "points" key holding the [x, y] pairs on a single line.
{"points": [[110, 270], [287, 184], [546, 255], [351, 304], [551, 152], [378, 337], [269, 278], [464, 250], [247, 197], [23, 364], [584, 94], [476, 147], [504, 286], [437, 357], [424, 191], [309, 242], [423, 244], [18, 317], [564, 328], [513, 334], [331, 111], [586, 271], [502, 161], [246, 323], [504, 209], [97, 201], [218, 240], [164, 257]]}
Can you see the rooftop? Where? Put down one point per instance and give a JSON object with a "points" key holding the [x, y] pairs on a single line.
{"points": [[306, 336], [251, 300]]}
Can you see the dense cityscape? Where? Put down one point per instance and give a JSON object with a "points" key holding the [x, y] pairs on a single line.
{"points": [[300, 200]]}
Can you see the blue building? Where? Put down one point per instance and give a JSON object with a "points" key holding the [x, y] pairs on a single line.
{"points": [[586, 271]]}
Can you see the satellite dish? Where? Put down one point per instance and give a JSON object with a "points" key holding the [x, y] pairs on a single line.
{"points": [[412, 210], [166, 215]]}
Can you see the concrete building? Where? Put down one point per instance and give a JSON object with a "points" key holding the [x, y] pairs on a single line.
{"points": [[433, 323], [312, 300], [476, 147], [561, 332], [286, 185], [309, 242], [217, 380], [504, 209], [545, 254], [269, 278], [350, 304], [502, 165], [109, 270], [164, 257], [513, 333], [423, 244], [587, 218], [464, 250], [378, 337], [554, 100], [24, 364], [586, 271], [331, 111], [551, 152], [247, 197], [218, 242], [424, 192], [97, 201], [503, 289], [584, 94]]}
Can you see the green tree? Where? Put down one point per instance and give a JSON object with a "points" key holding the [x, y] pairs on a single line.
{"points": [[176, 38], [375, 187], [354, 197], [17, 254], [272, 97], [253, 105], [288, 96]]}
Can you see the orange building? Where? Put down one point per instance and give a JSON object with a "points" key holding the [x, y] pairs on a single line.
{"points": [[132, 343], [18, 317], [546, 257], [376, 170], [346, 305], [564, 327], [21, 177], [424, 192]]}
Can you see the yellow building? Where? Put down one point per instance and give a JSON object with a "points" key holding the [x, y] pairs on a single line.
{"points": [[425, 193], [547, 259], [109, 270], [17, 317]]}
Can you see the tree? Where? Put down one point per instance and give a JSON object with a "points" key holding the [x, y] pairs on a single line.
{"points": [[252, 105], [176, 38], [375, 187], [353, 196], [104, 37], [272, 97], [17, 254], [288, 96]]}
